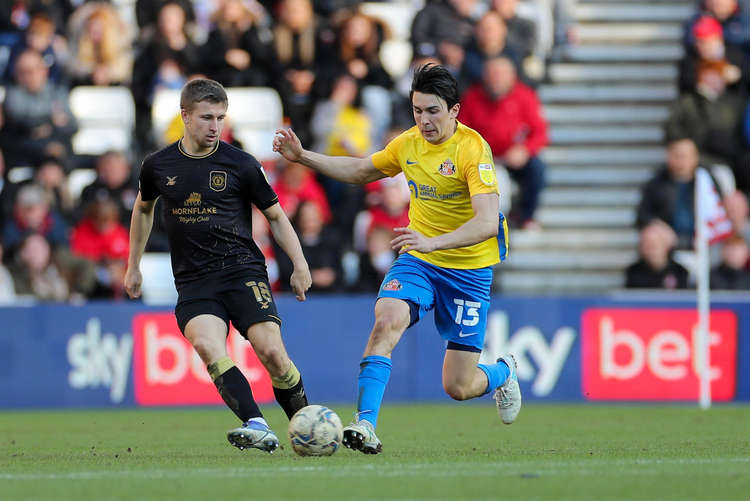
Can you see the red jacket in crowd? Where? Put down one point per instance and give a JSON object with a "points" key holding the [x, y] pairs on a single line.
{"points": [[512, 119], [90, 243]]}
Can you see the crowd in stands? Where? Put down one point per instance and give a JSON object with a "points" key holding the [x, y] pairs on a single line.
{"points": [[323, 58], [709, 127]]}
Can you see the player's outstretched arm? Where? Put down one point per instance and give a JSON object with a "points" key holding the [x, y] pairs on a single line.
{"points": [[482, 226], [347, 169], [140, 228], [287, 239]]}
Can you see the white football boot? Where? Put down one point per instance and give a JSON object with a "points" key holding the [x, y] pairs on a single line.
{"points": [[508, 395], [253, 435], [361, 436]]}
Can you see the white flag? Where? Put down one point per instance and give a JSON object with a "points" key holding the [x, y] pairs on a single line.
{"points": [[709, 208]]}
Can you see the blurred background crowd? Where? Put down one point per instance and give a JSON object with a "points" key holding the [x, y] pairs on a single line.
{"points": [[340, 71]]}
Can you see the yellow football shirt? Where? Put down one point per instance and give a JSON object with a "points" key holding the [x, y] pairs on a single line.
{"points": [[442, 179]]}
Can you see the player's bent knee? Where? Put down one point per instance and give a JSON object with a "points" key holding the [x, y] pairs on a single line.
{"points": [[274, 359]]}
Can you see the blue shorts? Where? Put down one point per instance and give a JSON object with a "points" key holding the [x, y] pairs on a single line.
{"points": [[461, 298]]}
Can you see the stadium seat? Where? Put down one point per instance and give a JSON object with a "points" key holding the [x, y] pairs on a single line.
{"points": [[398, 16], [540, 13], [78, 179], [20, 174], [158, 281], [165, 107], [105, 115], [396, 56], [255, 113]]}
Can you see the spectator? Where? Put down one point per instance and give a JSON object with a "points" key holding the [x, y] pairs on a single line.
{"points": [[37, 118], [339, 124], [296, 184], [738, 212], [39, 36], [100, 52], [656, 269], [7, 289], [301, 42], [262, 237], [114, 181], [165, 56], [710, 60], [35, 273], [238, 51], [32, 213], [7, 194], [507, 113], [389, 208], [101, 239], [321, 245], [444, 28], [732, 273], [734, 22], [489, 41], [147, 11], [668, 195], [50, 175], [712, 116], [522, 33]]}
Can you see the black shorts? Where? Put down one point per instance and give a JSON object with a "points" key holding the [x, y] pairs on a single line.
{"points": [[242, 297]]}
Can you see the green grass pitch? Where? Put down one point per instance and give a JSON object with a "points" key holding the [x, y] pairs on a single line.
{"points": [[431, 453]]}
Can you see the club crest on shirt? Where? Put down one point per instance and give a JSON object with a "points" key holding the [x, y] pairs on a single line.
{"points": [[392, 285], [218, 180], [447, 168], [171, 180]]}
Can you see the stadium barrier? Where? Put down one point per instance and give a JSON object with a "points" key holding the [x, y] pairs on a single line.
{"points": [[568, 349]]}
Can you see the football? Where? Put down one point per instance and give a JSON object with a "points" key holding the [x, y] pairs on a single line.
{"points": [[315, 430]]}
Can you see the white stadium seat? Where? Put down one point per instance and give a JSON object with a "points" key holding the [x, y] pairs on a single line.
{"points": [[158, 281], [165, 107], [105, 115], [78, 179]]}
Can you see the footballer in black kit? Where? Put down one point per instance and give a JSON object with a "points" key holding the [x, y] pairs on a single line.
{"points": [[206, 202], [208, 190]]}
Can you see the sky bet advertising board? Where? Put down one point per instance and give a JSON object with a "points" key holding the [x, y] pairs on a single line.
{"points": [[579, 349]]}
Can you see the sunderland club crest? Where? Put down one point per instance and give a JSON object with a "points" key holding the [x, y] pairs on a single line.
{"points": [[447, 168]]}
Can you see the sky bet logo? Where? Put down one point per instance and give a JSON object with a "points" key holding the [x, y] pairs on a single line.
{"points": [[99, 360], [650, 354]]}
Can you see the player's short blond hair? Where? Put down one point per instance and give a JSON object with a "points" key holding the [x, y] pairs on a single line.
{"points": [[202, 89]]}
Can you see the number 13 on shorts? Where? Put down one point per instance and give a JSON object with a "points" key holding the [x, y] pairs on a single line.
{"points": [[467, 312]]}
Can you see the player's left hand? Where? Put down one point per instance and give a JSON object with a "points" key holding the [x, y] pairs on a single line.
{"points": [[300, 282], [409, 240]]}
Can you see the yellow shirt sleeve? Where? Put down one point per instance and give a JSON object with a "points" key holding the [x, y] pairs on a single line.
{"points": [[480, 171], [387, 160]]}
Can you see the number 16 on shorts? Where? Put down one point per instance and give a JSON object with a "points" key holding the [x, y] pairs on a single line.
{"points": [[467, 312]]}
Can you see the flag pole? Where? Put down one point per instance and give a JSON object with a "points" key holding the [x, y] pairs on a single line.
{"points": [[703, 297]]}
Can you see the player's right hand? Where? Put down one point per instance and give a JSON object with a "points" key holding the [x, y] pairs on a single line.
{"points": [[133, 281], [301, 280], [287, 144]]}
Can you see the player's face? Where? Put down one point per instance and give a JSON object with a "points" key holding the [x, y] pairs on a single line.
{"points": [[204, 123], [436, 122]]}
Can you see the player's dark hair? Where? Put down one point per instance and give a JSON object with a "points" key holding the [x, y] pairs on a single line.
{"points": [[435, 79], [202, 89]]}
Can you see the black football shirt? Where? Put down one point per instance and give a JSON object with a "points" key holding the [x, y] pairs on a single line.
{"points": [[207, 202]]}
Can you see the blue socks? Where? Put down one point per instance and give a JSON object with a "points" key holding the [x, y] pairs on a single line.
{"points": [[496, 373], [374, 372]]}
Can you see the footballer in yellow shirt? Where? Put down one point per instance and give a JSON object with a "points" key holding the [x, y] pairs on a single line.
{"points": [[456, 234]]}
